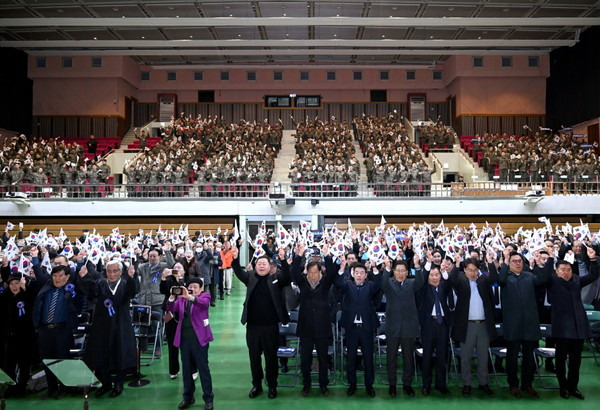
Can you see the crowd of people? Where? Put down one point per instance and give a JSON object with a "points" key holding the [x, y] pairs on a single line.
{"points": [[438, 283], [38, 162], [212, 155], [325, 154], [567, 160], [394, 163], [435, 135]]}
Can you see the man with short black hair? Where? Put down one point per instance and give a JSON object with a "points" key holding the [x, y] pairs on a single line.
{"points": [[262, 313], [359, 320], [521, 322], [55, 313]]}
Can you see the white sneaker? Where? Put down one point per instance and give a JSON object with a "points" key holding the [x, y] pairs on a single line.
{"points": [[173, 376], [195, 375]]}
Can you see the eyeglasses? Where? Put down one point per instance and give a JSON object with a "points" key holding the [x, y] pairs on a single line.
{"points": [[516, 260]]}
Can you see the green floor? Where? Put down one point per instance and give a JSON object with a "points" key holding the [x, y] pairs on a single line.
{"points": [[231, 383]]}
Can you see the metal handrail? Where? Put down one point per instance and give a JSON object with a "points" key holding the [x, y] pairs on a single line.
{"points": [[344, 190]]}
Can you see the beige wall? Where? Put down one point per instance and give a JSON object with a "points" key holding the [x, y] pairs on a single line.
{"points": [[83, 90]]}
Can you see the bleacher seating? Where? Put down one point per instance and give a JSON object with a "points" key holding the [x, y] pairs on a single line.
{"points": [[150, 143], [105, 144]]}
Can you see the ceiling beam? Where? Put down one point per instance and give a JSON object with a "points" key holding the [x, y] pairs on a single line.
{"points": [[107, 44], [154, 22], [293, 52]]}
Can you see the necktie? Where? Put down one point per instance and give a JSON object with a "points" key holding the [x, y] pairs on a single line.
{"points": [[52, 308], [438, 307]]}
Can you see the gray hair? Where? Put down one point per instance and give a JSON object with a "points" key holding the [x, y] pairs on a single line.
{"points": [[115, 262]]}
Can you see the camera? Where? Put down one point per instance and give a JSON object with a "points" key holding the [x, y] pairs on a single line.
{"points": [[178, 290]]}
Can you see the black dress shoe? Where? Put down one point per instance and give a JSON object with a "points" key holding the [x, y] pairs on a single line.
{"points": [[486, 389], [213, 304], [409, 391], [392, 391], [351, 390], [564, 393], [209, 406], [255, 392], [222, 297], [186, 403], [577, 394], [532, 392], [117, 390], [466, 391], [325, 391], [425, 391], [272, 392], [305, 391], [105, 388], [443, 389], [370, 391]]}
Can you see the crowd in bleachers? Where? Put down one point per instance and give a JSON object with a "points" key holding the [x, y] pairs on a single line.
{"points": [[209, 153], [394, 163], [29, 165], [435, 136], [324, 154], [567, 160]]}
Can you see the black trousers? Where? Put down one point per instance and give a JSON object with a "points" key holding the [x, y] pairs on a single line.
{"points": [[321, 344], [408, 350], [527, 363], [263, 340], [363, 337], [570, 348], [54, 343], [170, 328], [195, 356], [435, 340]]}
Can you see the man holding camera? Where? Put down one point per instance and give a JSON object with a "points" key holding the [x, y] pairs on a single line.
{"points": [[192, 337]]}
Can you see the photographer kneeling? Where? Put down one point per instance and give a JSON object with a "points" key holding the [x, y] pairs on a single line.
{"points": [[192, 337]]}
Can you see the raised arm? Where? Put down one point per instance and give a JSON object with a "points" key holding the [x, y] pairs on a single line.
{"points": [[240, 272]]}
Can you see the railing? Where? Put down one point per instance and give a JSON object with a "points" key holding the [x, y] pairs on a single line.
{"points": [[304, 190]]}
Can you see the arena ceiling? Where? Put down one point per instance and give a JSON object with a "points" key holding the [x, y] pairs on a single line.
{"points": [[161, 32]]}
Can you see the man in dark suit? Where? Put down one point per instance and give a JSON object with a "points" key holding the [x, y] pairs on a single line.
{"points": [[402, 320], [55, 313], [521, 321], [359, 320], [570, 326], [434, 317], [473, 324], [263, 310], [314, 319]]}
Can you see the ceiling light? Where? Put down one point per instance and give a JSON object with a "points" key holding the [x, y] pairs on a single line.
{"points": [[191, 36], [115, 9], [506, 10], [284, 15], [95, 38], [143, 37], [383, 36], [177, 16], [60, 10], [450, 8], [171, 8]]}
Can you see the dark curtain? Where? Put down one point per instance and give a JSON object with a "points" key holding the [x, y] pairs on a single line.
{"points": [[573, 88], [17, 91]]}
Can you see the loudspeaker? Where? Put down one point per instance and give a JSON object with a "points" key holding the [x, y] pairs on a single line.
{"points": [[290, 201], [206, 96], [276, 196], [314, 202]]}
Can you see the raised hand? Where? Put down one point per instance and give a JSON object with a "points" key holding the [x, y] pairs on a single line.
{"points": [[591, 252]]}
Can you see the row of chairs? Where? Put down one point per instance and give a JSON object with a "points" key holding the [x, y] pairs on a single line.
{"points": [[337, 353]]}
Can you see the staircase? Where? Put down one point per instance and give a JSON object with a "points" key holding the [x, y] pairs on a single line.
{"points": [[281, 168]]}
